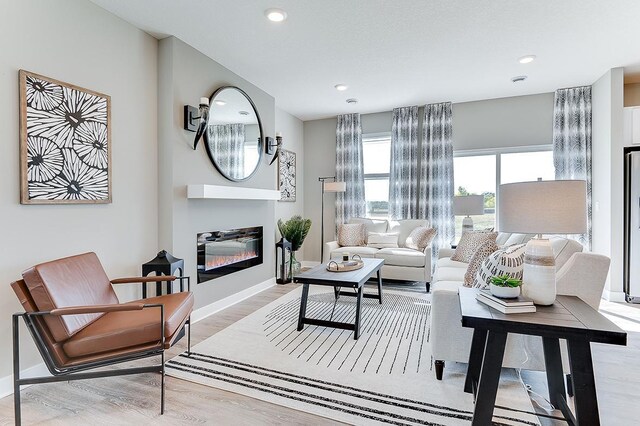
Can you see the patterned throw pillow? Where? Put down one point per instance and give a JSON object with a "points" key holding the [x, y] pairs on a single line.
{"points": [[469, 243], [382, 239], [485, 249], [420, 238], [508, 261], [351, 234]]}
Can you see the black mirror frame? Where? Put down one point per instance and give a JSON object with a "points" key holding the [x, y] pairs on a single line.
{"points": [[260, 140]]}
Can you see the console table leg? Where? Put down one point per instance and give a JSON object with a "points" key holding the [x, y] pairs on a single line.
{"points": [[475, 358], [584, 386], [489, 378], [303, 306], [553, 365]]}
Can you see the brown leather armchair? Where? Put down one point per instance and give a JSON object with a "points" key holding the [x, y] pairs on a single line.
{"points": [[78, 323]]}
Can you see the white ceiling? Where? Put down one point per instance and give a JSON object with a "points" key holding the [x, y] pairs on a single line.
{"points": [[399, 52]]}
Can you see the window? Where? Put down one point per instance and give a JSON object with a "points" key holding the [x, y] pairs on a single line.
{"points": [[376, 152], [480, 172]]}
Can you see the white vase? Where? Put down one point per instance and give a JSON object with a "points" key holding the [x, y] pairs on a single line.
{"points": [[504, 292], [539, 272]]}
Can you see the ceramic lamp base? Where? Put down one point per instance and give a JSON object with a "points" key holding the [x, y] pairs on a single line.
{"points": [[467, 224], [539, 273]]}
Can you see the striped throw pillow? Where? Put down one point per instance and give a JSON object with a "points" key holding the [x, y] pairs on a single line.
{"points": [[508, 261]]}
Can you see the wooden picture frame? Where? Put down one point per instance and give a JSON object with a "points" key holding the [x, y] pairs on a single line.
{"points": [[287, 175], [65, 142]]}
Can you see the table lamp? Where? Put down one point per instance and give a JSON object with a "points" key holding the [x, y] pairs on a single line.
{"points": [[468, 205], [327, 187], [542, 207]]}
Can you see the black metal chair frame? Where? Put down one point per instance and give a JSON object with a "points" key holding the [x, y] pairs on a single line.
{"points": [[77, 372]]}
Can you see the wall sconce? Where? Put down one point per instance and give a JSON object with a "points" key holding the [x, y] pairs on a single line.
{"points": [[273, 148], [195, 119]]}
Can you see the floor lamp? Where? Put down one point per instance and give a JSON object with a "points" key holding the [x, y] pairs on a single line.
{"points": [[331, 186]]}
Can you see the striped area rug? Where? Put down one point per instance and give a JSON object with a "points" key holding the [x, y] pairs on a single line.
{"points": [[385, 377]]}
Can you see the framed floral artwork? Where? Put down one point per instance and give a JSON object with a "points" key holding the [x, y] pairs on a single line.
{"points": [[287, 175], [65, 142]]}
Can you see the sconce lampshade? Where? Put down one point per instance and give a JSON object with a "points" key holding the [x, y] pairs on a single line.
{"points": [[466, 205], [335, 186]]}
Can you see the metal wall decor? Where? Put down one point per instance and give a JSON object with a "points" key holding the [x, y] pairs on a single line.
{"points": [[287, 175], [65, 142]]}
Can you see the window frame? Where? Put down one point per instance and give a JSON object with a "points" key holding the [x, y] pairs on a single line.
{"points": [[498, 153], [370, 137]]}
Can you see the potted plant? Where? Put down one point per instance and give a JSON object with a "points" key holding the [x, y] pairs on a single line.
{"points": [[505, 287], [294, 230]]}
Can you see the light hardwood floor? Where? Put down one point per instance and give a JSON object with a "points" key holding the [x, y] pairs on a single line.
{"points": [[136, 399]]}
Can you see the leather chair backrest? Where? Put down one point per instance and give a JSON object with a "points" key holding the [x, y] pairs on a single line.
{"points": [[72, 281], [55, 349]]}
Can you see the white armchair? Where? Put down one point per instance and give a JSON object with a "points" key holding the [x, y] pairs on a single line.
{"points": [[579, 274]]}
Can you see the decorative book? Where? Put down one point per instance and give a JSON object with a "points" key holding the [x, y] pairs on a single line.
{"points": [[518, 305]]}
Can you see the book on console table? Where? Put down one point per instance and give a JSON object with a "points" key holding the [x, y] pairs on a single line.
{"points": [[517, 305]]}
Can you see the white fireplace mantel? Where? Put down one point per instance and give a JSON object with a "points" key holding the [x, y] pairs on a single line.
{"points": [[221, 192]]}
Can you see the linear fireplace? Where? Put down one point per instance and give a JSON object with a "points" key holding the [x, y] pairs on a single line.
{"points": [[225, 252]]}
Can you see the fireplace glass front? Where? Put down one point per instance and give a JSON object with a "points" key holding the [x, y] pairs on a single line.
{"points": [[224, 252]]}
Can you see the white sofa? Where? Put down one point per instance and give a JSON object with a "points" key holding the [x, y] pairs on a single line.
{"points": [[400, 263], [579, 274]]}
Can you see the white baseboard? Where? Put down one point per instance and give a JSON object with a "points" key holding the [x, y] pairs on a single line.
{"points": [[613, 296], [205, 311], [6, 383], [309, 263]]}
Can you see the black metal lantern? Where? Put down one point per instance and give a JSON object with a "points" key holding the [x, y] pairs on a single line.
{"points": [[163, 264], [282, 271]]}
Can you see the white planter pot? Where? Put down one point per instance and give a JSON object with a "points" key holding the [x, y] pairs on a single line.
{"points": [[504, 292]]}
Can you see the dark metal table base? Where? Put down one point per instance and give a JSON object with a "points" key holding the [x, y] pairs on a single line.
{"points": [[302, 319]]}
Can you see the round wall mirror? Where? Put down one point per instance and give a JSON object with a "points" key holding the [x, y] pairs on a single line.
{"points": [[233, 137]]}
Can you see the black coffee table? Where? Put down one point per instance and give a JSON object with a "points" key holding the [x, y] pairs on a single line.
{"points": [[351, 279], [568, 318]]}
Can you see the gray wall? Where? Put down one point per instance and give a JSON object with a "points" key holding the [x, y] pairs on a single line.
{"points": [[185, 75], [103, 53], [293, 140], [494, 123]]}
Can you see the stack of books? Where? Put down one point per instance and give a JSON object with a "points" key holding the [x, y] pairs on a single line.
{"points": [[517, 305]]}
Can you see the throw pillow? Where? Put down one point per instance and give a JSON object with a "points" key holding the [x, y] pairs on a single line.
{"points": [[469, 243], [477, 259], [508, 261], [351, 234], [382, 239], [420, 238]]}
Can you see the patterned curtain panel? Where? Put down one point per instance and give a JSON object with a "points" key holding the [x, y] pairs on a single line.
{"points": [[349, 168], [436, 174], [572, 142], [403, 176], [227, 145]]}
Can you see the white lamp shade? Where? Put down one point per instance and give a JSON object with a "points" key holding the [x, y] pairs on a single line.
{"points": [[335, 186], [543, 207], [465, 205]]}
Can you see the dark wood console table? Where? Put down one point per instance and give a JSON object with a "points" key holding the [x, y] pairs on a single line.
{"points": [[568, 318], [351, 279]]}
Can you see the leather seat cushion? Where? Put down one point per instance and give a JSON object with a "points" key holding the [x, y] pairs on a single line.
{"points": [[401, 257], [116, 330], [363, 251]]}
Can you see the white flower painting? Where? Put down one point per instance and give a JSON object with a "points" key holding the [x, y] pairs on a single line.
{"points": [[287, 175], [65, 142]]}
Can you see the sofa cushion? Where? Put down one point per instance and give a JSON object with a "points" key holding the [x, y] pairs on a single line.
{"points": [[477, 259], [362, 251], [502, 238], [452, 286], [469, 243], [72, 281], [371, 225], [516, 239], [404, 228], [401, 257], [382, 239], [123, 329], [351, 234], [449, 273], [508, 261], [563, 249], [447, 262], [420, 238]]}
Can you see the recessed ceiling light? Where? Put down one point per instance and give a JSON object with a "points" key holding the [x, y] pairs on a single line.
{"points": [[341, 87], [275, 15], [220, 102], [352, 101], [519, 78], [243, 112], [527, 59]]}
